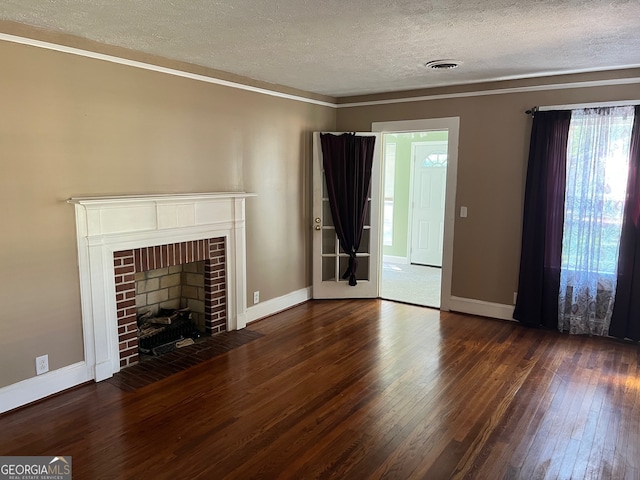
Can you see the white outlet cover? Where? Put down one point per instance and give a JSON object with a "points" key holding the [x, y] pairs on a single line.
{"points": [[42, 364]]}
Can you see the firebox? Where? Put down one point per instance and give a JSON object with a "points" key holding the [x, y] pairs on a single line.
{"points": [[157, 288]]}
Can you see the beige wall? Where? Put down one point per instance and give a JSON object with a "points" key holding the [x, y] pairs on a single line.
{"points": [[73, 126], [493, 149]]}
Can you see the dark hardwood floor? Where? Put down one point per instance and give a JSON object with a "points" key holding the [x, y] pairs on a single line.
{"points": [[359, 390]]}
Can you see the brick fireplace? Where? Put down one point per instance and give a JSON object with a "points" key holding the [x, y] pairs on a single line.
{"points": [[121, 236], [129, 262]]}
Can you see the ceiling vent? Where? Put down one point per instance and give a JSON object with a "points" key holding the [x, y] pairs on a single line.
{"points": [[442, 64]]}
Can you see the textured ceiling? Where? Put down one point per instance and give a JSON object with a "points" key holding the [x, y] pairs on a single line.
{"points": [[350, 47]]}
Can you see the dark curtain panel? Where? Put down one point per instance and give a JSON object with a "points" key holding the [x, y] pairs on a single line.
{"points": [[347, 160], [539, 280], [625, 320]]}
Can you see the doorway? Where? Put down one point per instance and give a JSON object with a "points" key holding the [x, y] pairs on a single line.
{"points": [[419, 179]]}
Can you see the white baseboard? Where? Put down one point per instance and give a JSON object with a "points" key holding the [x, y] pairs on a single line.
{"points": [[275, 305], [36, 388], [394, 259], [479, 307]]}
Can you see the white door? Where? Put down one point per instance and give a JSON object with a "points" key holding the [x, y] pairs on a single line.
{"points": [[428, 200], [329, 260]]}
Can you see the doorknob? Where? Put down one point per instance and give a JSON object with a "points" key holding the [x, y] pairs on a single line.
{"points": [[317, 227]]}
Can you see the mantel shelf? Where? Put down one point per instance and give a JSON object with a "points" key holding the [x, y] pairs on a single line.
{"points": [[164, 197]]}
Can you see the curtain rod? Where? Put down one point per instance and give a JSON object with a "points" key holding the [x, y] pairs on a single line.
{"points": [[577, 106]]}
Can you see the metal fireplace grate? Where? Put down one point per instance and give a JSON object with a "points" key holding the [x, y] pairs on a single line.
{"points": [[159, 334]]}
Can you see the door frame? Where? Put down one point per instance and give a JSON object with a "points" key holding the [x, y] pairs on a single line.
{"points": [[452, 124], [412, 191]]}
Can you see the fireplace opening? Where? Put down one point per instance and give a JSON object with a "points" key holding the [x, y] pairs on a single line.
{"points": [[169, 295], [170, 305]]}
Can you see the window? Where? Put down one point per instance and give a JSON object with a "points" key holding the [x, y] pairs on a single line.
{"points": [[597, 164]]}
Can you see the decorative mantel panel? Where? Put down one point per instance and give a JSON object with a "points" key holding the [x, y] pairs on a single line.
{"points": [[109, 224]]}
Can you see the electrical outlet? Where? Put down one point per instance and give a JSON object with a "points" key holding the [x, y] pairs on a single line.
{"points": [[42, 364], [256, 297]]}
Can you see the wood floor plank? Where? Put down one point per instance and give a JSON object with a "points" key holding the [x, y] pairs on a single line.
{"points": [[360, 389]]}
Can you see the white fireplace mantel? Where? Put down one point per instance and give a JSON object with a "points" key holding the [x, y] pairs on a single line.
{"points": [[108, 224]]}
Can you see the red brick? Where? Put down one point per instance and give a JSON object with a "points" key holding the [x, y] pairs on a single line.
{"points": [[127, 336], [171, 254], [151, 258], [124, 320], [144, 260], [121, 287], [137, 260], [157, 257], [125, 304], [124, 270], [128, 352]]}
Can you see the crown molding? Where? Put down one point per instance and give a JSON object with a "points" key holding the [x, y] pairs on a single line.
{"points": [[497, 91], [157, 68], [265, 91]]}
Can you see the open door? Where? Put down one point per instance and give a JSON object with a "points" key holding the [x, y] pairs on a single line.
{"points": [[329, 260]]}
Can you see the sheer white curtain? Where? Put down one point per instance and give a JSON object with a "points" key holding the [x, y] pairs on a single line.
{"points": [[597, 166]]}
